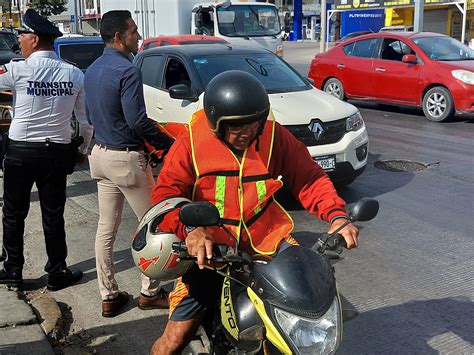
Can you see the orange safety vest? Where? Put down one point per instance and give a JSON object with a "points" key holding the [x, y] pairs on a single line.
{"points": [[242, 190]]}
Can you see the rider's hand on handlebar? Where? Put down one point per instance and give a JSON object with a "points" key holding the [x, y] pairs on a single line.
{"points": [[349, 232], [199, 244]]}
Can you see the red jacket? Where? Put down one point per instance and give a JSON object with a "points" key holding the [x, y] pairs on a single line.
{"points": [[290, 159]]}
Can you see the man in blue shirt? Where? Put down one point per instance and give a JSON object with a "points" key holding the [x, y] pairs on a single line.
{"points": [[116, 108]]}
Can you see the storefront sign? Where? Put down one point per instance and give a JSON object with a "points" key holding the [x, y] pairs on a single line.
{"points": [[370, 4]]}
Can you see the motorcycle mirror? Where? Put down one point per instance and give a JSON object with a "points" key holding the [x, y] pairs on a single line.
{"points": [[364, 210], [199, 214]]}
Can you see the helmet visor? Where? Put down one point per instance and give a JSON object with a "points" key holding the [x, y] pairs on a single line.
{"points": [[235, 121]]}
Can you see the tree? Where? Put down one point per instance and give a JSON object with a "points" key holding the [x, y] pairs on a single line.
{"points": [[48, 7]]}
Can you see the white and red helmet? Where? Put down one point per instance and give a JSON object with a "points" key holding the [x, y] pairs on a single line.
{"points": [[152, 248]]}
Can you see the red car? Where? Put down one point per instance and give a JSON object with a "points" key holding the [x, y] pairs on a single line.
{"points": [[424, 69], [179, 40]]}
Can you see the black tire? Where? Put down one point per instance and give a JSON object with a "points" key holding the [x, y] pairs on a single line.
{"points": [[335, 88], [438, 104]]}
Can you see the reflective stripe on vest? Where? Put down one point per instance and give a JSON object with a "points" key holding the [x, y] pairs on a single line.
{"points": [[242, 190]]}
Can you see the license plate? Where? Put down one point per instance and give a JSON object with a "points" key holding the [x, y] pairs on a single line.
{"points": [[328, 163]]}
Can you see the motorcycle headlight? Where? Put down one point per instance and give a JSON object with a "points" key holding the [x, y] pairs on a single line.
{"points": [[354, 122], [312, 336], [465, 76]]}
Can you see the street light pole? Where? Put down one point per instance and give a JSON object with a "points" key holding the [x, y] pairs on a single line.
{"points": [[322, 37], [418, 20], [10, 19], [75, 17]]}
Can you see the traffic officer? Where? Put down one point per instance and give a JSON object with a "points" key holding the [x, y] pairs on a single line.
{"points": [[46, 93]]}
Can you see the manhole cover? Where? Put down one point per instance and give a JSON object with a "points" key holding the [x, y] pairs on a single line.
{"points": [[399, 166]]}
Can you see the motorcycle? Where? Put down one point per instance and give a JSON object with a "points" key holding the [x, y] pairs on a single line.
{"points": [[285, 304]]}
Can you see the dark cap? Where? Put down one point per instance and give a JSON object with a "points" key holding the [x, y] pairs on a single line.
{"points": [[37, 24]]}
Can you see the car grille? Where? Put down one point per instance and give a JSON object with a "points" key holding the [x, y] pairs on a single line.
{"points": [[333, 132]]}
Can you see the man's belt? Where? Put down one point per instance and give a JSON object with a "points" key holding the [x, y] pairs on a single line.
{"points": [[38, 145], [122, 149]]}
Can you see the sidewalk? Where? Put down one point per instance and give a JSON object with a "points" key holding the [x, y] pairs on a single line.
{"points": [[20, 331]]}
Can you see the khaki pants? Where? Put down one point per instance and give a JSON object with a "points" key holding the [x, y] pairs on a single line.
{"points": [[120, 175]]}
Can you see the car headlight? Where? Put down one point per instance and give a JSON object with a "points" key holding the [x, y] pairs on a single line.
{"points": [[354, 122], [312, 336], [465, 76]]}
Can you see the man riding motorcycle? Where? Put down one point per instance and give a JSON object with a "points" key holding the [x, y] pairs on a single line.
{"points": [[234, 156]]}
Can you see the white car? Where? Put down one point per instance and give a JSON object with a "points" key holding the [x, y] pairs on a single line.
{"points": [[175, 78]]}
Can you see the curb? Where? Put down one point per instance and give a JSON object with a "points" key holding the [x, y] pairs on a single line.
{"points": [[19, 328], [49, 315]]}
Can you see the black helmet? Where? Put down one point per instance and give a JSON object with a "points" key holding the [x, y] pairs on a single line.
{"points": [[235, 97]]}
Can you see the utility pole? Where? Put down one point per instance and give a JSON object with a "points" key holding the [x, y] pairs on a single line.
{"points": [[19, 13], [322, 37], [76, 22], [418, 20], [10, 20]]}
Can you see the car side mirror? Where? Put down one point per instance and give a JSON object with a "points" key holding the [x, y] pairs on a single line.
{"points": [[410, 58], [182, 92]]}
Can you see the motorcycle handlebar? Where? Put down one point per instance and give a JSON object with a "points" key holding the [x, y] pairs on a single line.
{"points": [[220, 253], [331, 242], [336, 243]]}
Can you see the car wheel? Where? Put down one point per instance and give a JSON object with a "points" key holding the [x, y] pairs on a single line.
{"points": [[334, 87], [438, 104]]}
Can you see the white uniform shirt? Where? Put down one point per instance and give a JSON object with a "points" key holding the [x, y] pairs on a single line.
{"points": [[46, 91]]}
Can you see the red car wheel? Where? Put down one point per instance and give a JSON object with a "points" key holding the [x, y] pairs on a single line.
{"points": [[438, 104]]}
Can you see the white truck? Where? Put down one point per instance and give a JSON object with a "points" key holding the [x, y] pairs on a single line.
{"points": [[235, 21]]}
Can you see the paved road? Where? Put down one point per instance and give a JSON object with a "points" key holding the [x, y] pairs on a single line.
{"points": [[411, 279]]}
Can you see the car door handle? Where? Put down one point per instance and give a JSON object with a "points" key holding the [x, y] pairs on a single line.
{"points": [[159, 106], [341, 66], [380, 70]]}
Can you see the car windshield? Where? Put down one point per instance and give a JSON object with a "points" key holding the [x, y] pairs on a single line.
{"points": [[275, 74], [444, 48], [4, 45], [204, 41], [7, 40], [82, 55], [248, 20]]}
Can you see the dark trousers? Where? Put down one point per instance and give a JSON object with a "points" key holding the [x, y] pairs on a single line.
{"points": [[44, 166]]}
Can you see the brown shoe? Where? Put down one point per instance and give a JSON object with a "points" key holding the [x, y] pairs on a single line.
{"points": [[110, 308], [160, 301]]}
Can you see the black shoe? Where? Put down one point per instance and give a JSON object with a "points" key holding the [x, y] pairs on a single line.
{"points": [[10, 278], [63, 279]]}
